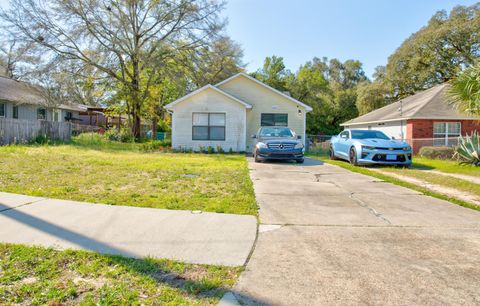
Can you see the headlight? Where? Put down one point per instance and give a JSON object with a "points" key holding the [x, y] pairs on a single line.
{"points": [[261, 145], [406, 148], [368, 148], [299, 145]]}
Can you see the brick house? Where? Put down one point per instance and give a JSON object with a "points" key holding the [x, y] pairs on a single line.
{"points": [[426, 118]]}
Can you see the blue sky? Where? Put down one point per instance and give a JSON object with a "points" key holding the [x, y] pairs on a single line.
{"points": [[298, 30]]}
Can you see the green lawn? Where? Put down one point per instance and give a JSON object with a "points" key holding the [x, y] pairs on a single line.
{"points": [[450, 182], [448, 166], [38, 276], [121, 174]]}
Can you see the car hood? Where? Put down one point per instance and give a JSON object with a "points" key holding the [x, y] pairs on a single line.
{"points": [[285, 140], [383, 143]]}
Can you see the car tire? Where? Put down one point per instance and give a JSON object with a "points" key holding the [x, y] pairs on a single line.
{"points": [[352, 157], [300, 161], [255, 157], [332, 153]]}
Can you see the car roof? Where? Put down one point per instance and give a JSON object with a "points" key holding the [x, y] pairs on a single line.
{"points": [[360, 130]]}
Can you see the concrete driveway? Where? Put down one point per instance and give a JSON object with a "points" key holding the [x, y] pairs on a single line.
{"points": [[329, 236], [205, 238]]}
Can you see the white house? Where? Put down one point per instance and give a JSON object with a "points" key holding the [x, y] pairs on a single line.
{"points": [[227, 114], [20, 100]]}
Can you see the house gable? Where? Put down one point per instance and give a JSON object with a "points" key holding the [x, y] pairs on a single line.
{"points": [[242, 85], [203, 89]]}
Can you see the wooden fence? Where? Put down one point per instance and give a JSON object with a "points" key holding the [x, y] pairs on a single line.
{"points": [[23, 131]]}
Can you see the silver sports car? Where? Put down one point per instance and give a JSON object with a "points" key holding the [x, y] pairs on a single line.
{"points": [[366, 147]]}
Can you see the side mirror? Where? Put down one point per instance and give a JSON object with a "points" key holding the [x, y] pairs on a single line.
{"points": [[254, 136], [393, 138], [299, 136]]}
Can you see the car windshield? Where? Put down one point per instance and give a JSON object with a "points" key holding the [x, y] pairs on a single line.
{"points": [[369, 134], [276, 132]]}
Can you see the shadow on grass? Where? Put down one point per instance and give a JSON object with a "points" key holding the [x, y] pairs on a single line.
{"points": [[161, 273]]}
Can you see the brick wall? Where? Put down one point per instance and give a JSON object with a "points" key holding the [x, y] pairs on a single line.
{"points": [[423, 129]]}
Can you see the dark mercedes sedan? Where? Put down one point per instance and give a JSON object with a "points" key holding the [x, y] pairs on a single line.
{"points": [[277, 143]]}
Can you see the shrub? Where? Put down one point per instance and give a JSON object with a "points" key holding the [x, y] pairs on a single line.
{"points": [[156, 145], [125, 135], [468, 149], [220, 150], [437, 152], [210, 150], [42, 139]]}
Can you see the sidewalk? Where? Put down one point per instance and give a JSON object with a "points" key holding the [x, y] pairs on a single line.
{"points": [[194, 237]]}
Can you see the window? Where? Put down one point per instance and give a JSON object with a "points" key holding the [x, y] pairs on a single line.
{"points": [[367, 134], [15, 112], [2, 109], [446, 133], [274, 120], [41, 114], [208, 126], [276, 132], [69, 116], [344, 134], [56, 115]]}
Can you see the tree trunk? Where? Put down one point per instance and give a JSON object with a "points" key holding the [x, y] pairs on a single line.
{"points": [[154, 127]]}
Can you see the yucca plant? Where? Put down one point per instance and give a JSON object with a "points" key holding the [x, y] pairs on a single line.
{"points": [[468, 149]]}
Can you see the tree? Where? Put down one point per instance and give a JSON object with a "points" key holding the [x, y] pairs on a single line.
{"points": [[465, 90], [273, 73], [370, 96], [16, 57], [123, 39], [214, 63], [437, 52], [329, 87], [374, 94]]}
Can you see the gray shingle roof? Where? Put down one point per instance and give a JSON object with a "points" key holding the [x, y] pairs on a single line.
{"points": [[24, 93], [432, 103]]}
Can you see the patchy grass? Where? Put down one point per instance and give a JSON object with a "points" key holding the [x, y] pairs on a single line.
{"points": [[437, 179], [38, 276], [448, 166], [122, 174], [387, 178]]}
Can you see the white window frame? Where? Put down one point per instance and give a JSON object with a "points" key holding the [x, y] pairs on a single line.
{"points": [[209, 126], [57, 115], [447, 136]]}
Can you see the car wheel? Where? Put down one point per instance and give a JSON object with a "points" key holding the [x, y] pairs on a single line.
{"points": [[353, 156], [255, 157], [332, 153], [300, 161]]}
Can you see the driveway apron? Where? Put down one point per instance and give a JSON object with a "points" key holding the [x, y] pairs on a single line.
{"points": [[332, 237]]}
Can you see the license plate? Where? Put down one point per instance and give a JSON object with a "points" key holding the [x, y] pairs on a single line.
{"points": [[391, 157]]}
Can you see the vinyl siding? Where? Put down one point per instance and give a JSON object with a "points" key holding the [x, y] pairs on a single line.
{"points": [[264, 100], [209, 101], [29, 112]]}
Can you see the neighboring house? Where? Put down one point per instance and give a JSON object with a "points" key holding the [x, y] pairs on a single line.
{"points": [[226, 115], [19, 100], [426, 118]]}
